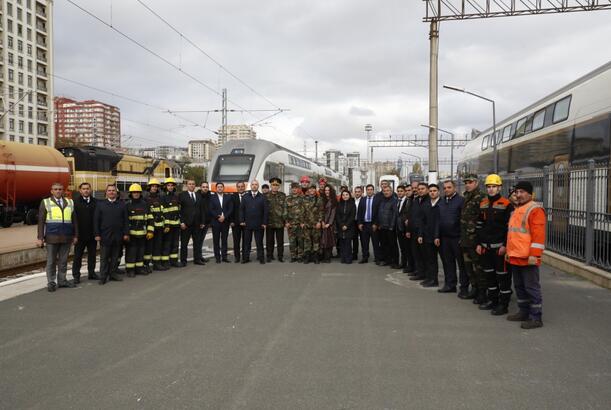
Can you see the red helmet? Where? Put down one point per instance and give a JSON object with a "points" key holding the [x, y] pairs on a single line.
{"points": [[322, 180], [305, 178]]}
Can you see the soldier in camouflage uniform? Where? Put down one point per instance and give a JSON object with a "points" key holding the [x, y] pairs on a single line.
{"points": [[277, 217], [311, 224], [294, 214], [468, 241]]}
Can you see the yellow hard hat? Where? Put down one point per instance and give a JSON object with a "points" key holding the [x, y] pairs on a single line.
{"points": [[154, 181], [493, 179], [170, 181], [135, 188]]}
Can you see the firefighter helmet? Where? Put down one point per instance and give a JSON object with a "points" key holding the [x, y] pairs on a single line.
{"points": [[135, 188], [493, 179]]}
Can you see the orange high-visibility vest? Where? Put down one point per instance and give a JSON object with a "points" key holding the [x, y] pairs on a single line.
{"points": [[522, 240]]}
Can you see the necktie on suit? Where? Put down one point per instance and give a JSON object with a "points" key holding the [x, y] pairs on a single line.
{"points": [[368, 216], [192, 196]]}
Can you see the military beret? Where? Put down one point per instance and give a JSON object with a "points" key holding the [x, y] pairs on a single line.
{"points": [[470, 177], [275, 179], [294, 185], [322, 180]]}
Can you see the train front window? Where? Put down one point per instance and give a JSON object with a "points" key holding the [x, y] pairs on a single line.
{"points": [[233, 168]]}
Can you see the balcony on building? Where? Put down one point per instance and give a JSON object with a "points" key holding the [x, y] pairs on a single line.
{"points": [[41, 26], [41, 72], [41, 41], [41, 11]]}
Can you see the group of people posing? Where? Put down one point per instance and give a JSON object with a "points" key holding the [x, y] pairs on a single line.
{"points": [[483, 240]]}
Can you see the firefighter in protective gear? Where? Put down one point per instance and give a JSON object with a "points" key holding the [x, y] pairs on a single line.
{"points": [[491, 233], [138, 217], [525, 245], [171, 223], [154, 238]]}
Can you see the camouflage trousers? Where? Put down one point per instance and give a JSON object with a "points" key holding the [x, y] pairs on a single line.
{"points": [[296, 241], [477, 278], [311, 240]]}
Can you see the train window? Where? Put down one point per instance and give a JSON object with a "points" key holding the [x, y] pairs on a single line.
{"points": [[528, 127], [232, 168], [538, 120], [485, 142], [549, 114], [506, 133], [561, 109], [520, 126]]}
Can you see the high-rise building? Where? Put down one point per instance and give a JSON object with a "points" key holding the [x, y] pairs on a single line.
{"points": [[333, 159], [239, 132], [26, 73], [353, 159], [201, 150], [87, 122]]}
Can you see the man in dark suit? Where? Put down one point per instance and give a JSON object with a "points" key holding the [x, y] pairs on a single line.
{"points": [[358, 195], [220, 213], [192, 217], [428, 236], [111, 229], [254, 214], [84, 208], [404, 202], [237, 230], [204, 191], [366, 217]]}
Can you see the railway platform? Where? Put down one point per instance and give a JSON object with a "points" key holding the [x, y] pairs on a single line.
{"points": [[285, 335]]}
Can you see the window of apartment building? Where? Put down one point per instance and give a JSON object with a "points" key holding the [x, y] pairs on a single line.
{"points": [[20, 46], [29, 4], [30, 34], [10, 58], [20, 92], [11, 124], [10, 41], [30, 140], [42, 141], [20, 78], [21, 139], [21, 126], [9, 9], [30, 98], [20, 62], [11, 91], [9, 25], [29, 18], [30, 66], [20, 30], [29, 81], [19, 14], [29, 49], [11, 74], [30, 113], [12, 138], [21, 110], [30, 128]]}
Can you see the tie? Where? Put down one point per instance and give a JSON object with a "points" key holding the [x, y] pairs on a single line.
{"points": [[368, 216], [192, 197], [60, 203], [254, 194]]}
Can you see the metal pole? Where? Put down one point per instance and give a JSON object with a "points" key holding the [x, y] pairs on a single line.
{"points": [[589, 245], [316, 151], [452, 158], [495, 138], [433, 100], [224, 111]]}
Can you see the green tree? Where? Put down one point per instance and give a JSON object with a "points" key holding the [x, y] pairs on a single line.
{"points": [[196, 173]]}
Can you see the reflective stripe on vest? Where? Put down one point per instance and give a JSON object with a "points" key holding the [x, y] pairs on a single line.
{"points": [[58, 221], [519, 240]]}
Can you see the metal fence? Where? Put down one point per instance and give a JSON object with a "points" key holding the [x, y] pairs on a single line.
{"points": [[577, 201]]}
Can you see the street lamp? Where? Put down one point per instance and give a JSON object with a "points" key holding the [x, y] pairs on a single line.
{"points": [[494, 136], [451, 147]]}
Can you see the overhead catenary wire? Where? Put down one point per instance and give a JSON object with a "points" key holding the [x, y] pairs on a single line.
{"points": [[198, 48]]}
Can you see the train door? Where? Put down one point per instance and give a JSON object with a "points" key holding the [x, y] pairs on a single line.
{"points": [[561, 195]]}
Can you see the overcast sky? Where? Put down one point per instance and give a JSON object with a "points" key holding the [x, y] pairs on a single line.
{"points": [[336, 65]]}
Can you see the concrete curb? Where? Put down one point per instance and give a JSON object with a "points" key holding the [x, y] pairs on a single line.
{"points": [[595, 275]]}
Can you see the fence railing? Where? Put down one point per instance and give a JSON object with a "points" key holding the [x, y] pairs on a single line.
{"points": [[577, 201]]}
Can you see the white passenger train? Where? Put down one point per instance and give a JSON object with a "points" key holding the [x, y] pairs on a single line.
{"points": [[246, 160]]}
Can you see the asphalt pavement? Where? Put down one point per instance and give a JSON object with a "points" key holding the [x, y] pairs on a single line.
{"points": [[294, 336]]}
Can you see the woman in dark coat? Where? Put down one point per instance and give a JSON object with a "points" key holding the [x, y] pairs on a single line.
{"points": [[344, 219], [327, 240]]}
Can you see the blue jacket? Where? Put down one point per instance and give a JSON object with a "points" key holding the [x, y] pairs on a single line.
{"points": [[254, 211], [449, 216], [215, 209]]}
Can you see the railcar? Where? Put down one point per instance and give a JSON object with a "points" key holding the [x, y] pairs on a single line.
{"points": [[247, 160]]}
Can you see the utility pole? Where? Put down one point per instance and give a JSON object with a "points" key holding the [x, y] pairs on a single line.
{"points": [[224, 118], [433, 101], [316, 151]]}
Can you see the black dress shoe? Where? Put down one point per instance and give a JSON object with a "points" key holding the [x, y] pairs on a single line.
{"points": [[429, 284], [447, 290], [377, 263], [280, 259], [395, 266], [116, 278], [218, 261], [199, 263], [531, 324], [262, 261], [103, 281], [416, 277], [408, 270], [363, 261], [463, 294], [269, 259], [499, 310], [76, 280], [236, 260], [51, 286], [93, 276], [489, 305], [245, 260], [225, 260], [66, 284]]}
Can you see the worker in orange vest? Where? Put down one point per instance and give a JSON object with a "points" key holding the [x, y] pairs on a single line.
{"points": [[525, 244]]}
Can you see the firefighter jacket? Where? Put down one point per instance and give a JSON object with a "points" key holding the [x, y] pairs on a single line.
{"points": [[491, 227], [138, 217], [171, 210]]}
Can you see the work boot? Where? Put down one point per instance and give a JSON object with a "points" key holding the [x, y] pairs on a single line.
{"points": [[488, 305], [293, 260], [472, 293], [115, 277], [519, 316], [499, 310], [269, 259], [130, 273], [531, 324], [463, 294], [481, 297], [141, 270], [148, 268]]}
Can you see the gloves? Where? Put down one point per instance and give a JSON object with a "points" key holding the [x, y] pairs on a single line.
{"points": [[166, 230], [149, 235]]}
